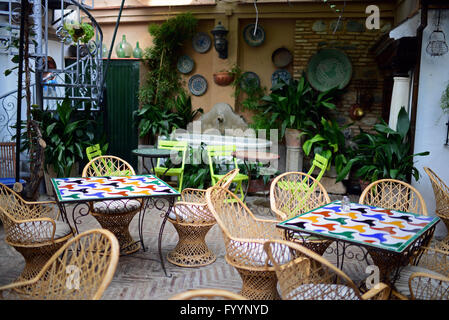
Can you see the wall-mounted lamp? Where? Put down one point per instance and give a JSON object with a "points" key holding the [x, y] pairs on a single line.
{"points": [[220, 41]]}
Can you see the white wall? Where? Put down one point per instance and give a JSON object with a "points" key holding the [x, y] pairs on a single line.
{"points": [[431, 121]]}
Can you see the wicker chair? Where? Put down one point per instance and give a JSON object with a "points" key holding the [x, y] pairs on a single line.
{"points": [[395, 195], [305, 275], [32, 229], [192, 220], [427, 278], [80, 270], [207, 294], [441, 192], [114, 215], [294, 193], [244, 236]]}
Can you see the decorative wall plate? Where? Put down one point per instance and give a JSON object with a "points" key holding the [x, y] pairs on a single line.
{"points": [[281, 57], [254, 40], [250, 79], [329, 68], [280, 74], [201, 42], [197, 85], [185, 64]]}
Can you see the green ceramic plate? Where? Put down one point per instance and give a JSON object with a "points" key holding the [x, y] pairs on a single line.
{"points": [[329, 68]]}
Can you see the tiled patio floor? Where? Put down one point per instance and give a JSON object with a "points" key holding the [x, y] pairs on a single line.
{"points": [[140, 276]]}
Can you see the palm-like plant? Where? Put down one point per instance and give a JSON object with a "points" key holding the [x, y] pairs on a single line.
{"points": [[384, 154], [295, 105]]}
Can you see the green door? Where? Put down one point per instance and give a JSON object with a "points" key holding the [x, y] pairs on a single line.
{"points": [[122, 83]]}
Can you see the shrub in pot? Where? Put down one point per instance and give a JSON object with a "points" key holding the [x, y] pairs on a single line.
{"points": [[384, 154]]}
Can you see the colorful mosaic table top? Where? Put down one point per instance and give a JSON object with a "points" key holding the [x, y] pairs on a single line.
{"points": [[106, 188], [381, 228]]}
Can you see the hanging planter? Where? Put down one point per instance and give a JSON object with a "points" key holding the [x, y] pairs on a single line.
{"points": [[223, 78]]}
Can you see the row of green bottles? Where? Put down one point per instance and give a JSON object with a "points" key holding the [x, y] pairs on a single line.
{"points": [[125, 50]]}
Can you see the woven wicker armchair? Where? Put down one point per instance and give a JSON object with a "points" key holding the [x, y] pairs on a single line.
{"points": [[208, 294], [80, 270], [395, 195], [33, 229], [441, 192], [244, 236], [305, 275], [114, 215], [192, 220], [294, 193], [427, 278]]}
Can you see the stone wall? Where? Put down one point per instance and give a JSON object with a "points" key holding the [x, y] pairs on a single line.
{"points": [[355, 40]]}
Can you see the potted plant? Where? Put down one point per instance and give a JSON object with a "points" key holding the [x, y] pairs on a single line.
{"points": [[223, 77], [80, 31], [330, 142], [384, 154], [294, 106], [67, 134]]}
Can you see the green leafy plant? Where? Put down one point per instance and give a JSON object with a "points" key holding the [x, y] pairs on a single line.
{"points": [[330, 142], [444, 101], [67, 133], [184, 110], [384, 154], [163, 82], [80, 31], [154, 120], [295, 105], [249, 87], [197, 175]]}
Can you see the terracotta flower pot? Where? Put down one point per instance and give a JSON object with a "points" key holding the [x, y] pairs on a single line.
{"points": [[223, 78]]}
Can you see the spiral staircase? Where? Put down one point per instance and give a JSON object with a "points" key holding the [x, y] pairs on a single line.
{"points": [[61, 67]]}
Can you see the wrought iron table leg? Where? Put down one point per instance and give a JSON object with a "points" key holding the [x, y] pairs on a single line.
{"points": [[161, 231]]}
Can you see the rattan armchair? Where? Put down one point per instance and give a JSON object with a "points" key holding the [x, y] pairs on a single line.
{"points": [[427, 278], [33, 229], [209, 294], [304, 275], [441, 192], [114, 215], [396, 195], [244, 236], [294, 193], [80, 270], [192, 220]]}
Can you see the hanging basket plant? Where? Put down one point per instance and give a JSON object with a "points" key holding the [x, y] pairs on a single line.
{"points": [[80, 31]]}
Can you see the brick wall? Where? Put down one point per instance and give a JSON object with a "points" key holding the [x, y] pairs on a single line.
{"points": [[355, 40]]}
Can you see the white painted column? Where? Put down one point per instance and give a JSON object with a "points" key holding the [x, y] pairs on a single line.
{"points": [[399, 98]]}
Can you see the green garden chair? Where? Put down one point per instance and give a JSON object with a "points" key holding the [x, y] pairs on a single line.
{"points": [[226, 152], [301, 188], [319, 162], [93, 151], [161, 170]]}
